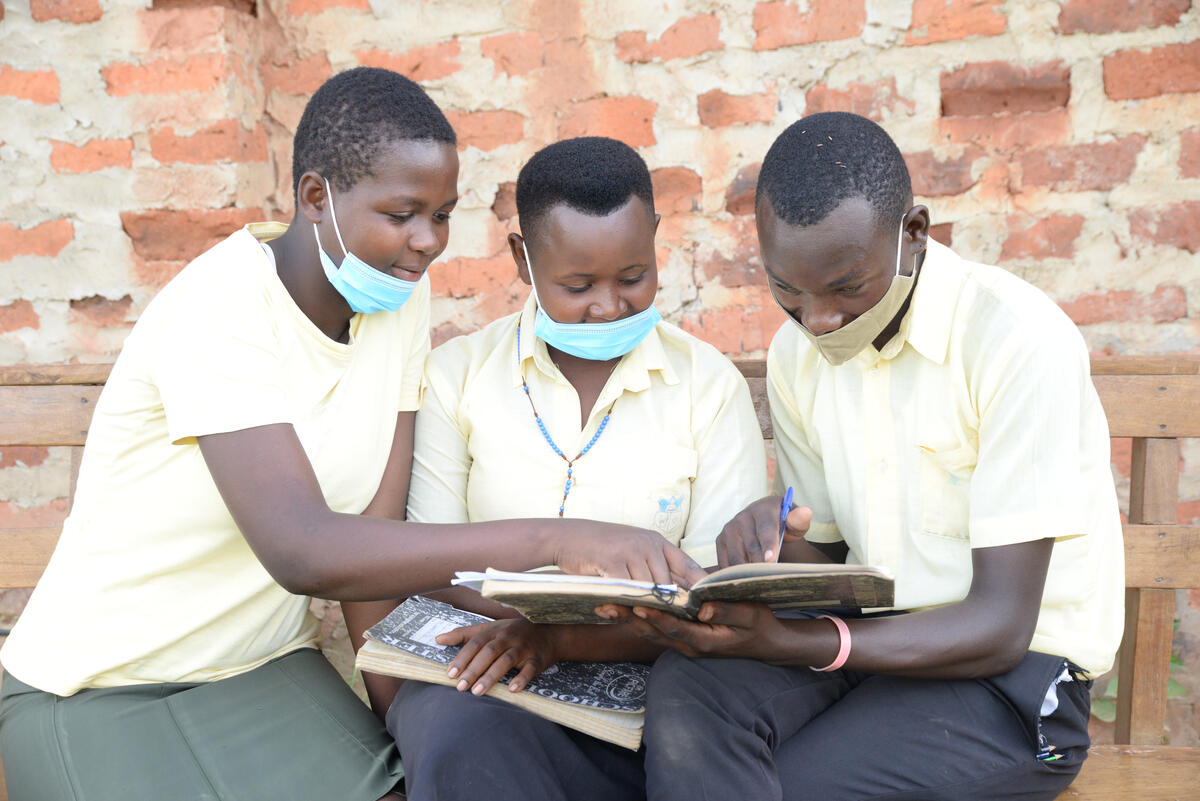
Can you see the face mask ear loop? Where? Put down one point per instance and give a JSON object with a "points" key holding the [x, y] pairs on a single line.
{"points": [[532, 283], [333, 214]]}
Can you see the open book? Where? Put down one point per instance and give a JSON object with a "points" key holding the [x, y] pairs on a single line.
{"points": [[603, 699], [559, 598]]}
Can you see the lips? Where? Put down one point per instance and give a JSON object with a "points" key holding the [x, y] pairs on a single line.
{"points": [[406, 273]]}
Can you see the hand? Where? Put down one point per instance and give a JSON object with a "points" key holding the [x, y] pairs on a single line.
{"points": [[605, 549], [490, 650], [745, 630], [753, 533]]}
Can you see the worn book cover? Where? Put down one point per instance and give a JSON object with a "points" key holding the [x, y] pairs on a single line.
{"points": [[559, 598], [603, 699]]}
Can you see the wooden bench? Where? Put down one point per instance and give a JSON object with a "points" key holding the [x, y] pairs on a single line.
{"points": [[1155, 401]]}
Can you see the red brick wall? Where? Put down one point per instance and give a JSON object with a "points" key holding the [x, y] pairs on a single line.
{"points": [[1060, 140]]}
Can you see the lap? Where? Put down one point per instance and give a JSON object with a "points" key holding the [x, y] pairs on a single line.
{"points": [[289, 729]]}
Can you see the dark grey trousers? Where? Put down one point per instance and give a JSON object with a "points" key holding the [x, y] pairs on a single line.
{"points": [[458, 746], [722, 729]]}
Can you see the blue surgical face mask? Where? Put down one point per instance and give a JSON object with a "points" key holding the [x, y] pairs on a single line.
{"points": [[366, 289], [595, 341]]}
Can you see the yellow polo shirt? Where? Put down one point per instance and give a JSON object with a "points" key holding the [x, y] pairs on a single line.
{"points": [[152, 581], [681, 454], [976, 426]]}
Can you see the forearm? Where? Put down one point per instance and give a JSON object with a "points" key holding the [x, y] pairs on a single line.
{"points": [[470, 600], [600, 643], [359, 617]]}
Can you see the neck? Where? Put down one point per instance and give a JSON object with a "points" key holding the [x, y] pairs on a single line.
{"points": [[893, 327], [300, 270]]}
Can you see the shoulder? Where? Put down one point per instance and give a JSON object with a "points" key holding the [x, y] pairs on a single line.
{"points": [[695, 360], [460, 358]]}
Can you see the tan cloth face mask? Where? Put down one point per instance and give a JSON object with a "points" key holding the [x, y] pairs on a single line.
{"points": [[848, 341]]}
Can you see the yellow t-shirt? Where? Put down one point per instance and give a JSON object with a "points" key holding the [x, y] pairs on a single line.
{"points": [[977, 425], [152, 581], [681, 454]]}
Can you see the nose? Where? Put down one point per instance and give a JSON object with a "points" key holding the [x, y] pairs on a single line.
{"points": [[607, 305], [822, 317], [424, 238]]}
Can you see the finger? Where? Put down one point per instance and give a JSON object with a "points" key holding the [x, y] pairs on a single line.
{"points": [[726, 614], [458, 635], [641, 569], [798, 522], [465, 655], [522, 679], [766, 531], [682, 569], [486, 654], [614, 612], [722, 549], [501, 665]]}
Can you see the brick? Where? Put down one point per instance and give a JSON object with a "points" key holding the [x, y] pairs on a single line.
{"points": [[47, 239], [25, 456], [1008, 131], [934, 177], [300, 7], [168, 235], [1049, 237], [101, 311], [95, 154], [202, 73], [491, 280], [945, 20], [13, 515], [1174, 224], [942, 232], [486, 130], [301, 76], [677, 190], [629, 119], [781, 24], [1121, 455], [1188, 514], [686, 38], [1109, 16], [1081, 168], [739, 198], [1189, 153], [718, 109], [37, 86], [514, 53], [222, 141], [1138, 74], [736, 329], [742, 268], [505, 204], [864, 99], [1163, 305], [1000, 87], [17, 315], [425, 63], [76, 11]]}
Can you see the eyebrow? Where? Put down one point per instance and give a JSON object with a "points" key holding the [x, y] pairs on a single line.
{"points": [[853, 275], [415, 201], [591, 275]]}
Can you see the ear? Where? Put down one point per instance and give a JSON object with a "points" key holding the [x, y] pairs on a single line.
{"points": [[916, 228], [311, 198], [657, 220], [516, 248]]}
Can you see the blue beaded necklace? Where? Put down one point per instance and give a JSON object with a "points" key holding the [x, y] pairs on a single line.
{"points": [[537, 418]]}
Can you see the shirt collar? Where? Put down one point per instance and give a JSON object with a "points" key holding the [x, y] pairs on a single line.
{"points": [[930, 317], [632, 372]]}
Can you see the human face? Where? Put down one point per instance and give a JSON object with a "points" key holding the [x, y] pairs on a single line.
{"points": [[397, 220], [827, 274], [592, 269]]}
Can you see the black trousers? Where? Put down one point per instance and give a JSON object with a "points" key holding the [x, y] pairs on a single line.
{"points": [[723, 729], [458, 746]]}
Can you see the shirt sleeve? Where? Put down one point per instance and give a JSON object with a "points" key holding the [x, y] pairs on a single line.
{"points": [[217, 361], [441, 459], [796, 463], [1028, 479], [731, 460], [417, 344]]}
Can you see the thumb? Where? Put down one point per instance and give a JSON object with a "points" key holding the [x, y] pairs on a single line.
{"points": [[798, 521]]}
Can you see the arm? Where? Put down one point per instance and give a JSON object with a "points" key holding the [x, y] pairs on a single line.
{"points": [[985, 634]]}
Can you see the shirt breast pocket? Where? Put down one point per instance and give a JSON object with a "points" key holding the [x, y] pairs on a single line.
{"points": [[944, 504], [658, 492]]}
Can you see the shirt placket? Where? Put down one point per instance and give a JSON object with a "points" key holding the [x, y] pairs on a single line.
{"points": [[882, 473]]}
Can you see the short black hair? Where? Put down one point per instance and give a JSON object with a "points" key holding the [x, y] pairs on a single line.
{"points": [[594, 175], [353, 115], [830, 157]]}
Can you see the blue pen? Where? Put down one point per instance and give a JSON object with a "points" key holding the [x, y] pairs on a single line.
{"points": [[784, 507]]}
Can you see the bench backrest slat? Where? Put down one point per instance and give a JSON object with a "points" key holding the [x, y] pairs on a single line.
{"points": [[46, 415]]}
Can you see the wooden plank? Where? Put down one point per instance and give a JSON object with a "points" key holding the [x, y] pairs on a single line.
{"points": [[1144, 665], [1162, 556], [1150, 406], [46, 415], [1137, 773], [1146, 365], [38, 374], [1154, 481], [26, 552], [751, 368], [758, 394]]}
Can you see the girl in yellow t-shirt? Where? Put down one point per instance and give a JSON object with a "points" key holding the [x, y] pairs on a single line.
{"points": [[584, 404], [253, 448]]}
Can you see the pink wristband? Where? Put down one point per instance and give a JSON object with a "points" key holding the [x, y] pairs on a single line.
{"points": [[843, 644]]}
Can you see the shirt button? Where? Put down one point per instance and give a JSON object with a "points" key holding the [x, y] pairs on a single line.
{"points": [[882, 465], [874, 371]]}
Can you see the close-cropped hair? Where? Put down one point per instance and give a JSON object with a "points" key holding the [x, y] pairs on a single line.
{"points": [[593, 175], [827, 158], [353, 116]]}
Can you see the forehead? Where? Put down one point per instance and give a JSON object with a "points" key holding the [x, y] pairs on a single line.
{"points": [[629, 226], [412, 166], [851, 226]]}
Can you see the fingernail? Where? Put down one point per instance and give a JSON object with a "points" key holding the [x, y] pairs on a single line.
{"points": [[514, 686], [477, 689], [639, 611], [462, 685], [453, 671], [768, 555]]}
